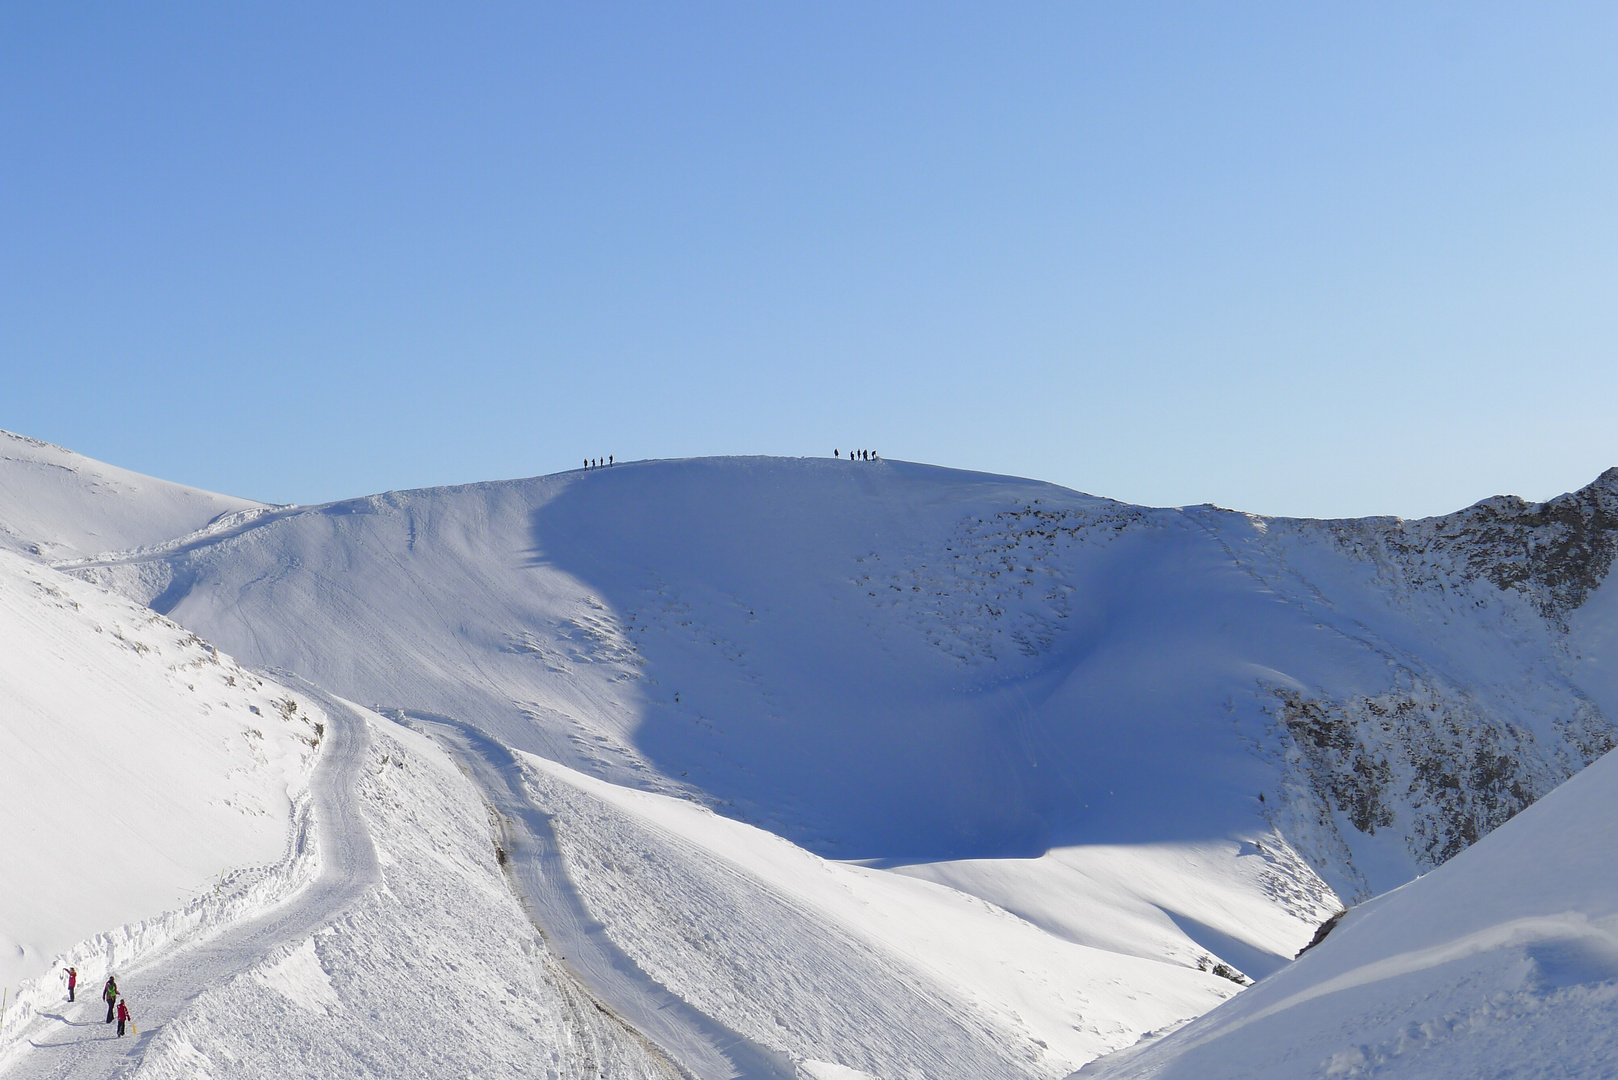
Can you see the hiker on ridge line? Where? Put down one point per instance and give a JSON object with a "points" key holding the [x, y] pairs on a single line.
{"points": [[109, 994], [72, 981]]}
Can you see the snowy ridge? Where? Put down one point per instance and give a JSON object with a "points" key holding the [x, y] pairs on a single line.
{"points": [[227, 524], [1556, 553], [1494, 624], [1054, 702], [57, 505]]}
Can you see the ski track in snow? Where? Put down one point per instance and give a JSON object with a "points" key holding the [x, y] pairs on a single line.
{"points": [[80, 1043], [701, 1044]]}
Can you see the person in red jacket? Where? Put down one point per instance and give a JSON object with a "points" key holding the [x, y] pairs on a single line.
{"points": [[123, 1015], [72, 981]]}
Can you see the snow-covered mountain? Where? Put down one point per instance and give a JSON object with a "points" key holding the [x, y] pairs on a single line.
{"points": [[812, 765], [896, 662]]}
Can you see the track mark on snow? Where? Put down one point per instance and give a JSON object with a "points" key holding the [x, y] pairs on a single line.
{"points": [[79, 1044], [698, 1042]]}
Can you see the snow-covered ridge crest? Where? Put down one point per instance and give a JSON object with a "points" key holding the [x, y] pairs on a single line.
{"points": [[1492, 625], [1051, 702], [1556, 553], [226, 524], [56, 505]]}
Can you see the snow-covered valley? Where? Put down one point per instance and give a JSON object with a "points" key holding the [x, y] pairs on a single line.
{"points": [[811, 767]]}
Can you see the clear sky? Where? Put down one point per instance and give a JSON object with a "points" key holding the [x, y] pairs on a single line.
{"points": [[1278, 257]]}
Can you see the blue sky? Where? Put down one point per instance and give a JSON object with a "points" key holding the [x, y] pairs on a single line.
{"points": [[1293, 261]]}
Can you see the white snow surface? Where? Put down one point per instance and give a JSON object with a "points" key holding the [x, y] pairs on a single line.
{"points": [[713, 628], [435, 971], [1502, 962], [57, 505], [141, 769], [887, 661], [845, 964], [404, 954], [890, 770]]}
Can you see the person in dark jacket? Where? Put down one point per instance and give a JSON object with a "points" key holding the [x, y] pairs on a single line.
{"points": [[109, 994], [123, 1016]]}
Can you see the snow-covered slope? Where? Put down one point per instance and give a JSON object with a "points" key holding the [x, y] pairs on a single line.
{"points": [[1502, 962], [896, 662], [137, 765], [729, 629], [842, 963], [403, 953], [57, 505], [1088, 757]]}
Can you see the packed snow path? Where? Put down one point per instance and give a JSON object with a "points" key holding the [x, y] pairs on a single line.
{"points": [[79, 1043], [698, 1042]]}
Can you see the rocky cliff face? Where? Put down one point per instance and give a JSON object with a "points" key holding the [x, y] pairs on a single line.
{"points": [[1554, 553], [1463, 740]]}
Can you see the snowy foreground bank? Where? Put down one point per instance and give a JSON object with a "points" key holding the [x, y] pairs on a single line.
{"points": [[1502, 962], [766, 768]]}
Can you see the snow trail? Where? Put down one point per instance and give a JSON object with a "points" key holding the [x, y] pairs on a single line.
{"points": [[699, 1043], [79, 1043]]}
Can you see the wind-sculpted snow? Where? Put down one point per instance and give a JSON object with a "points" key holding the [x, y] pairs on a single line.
{"points": [[529, 854], [842, 964]]}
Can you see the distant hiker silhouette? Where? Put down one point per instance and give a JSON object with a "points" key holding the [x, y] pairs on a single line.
{"points": [[72, 981], [835, 454], [586, 463], [123, 1017], [109, 994], [610, 460]]}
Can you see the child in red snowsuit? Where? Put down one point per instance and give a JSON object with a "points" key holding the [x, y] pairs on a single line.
{"points": [[123, 1015]]}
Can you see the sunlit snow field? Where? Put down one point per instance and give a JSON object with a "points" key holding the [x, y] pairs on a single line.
{"points": [[876, 766]]}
